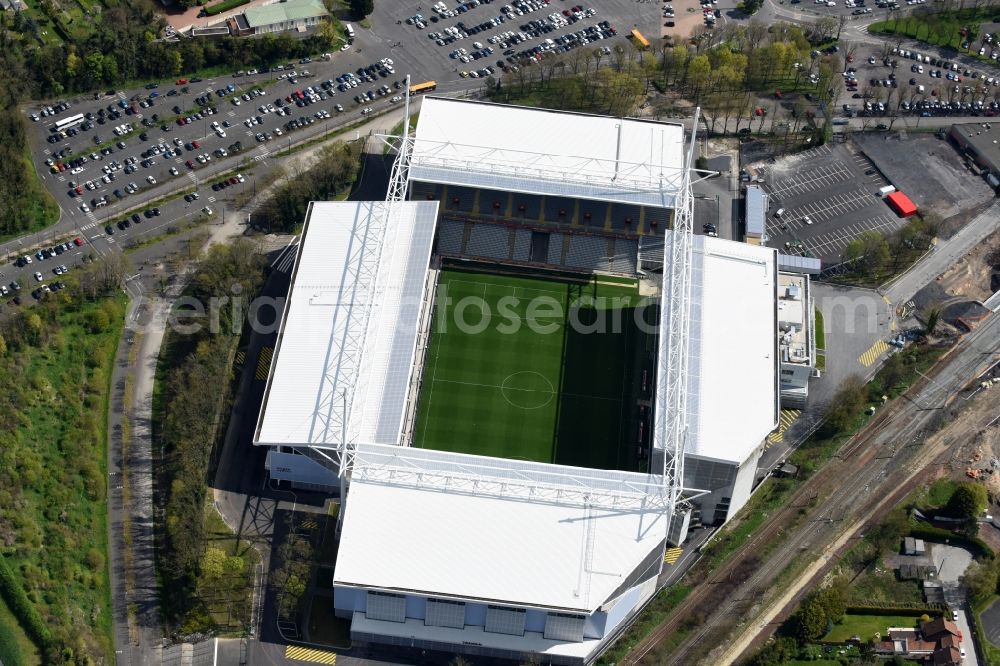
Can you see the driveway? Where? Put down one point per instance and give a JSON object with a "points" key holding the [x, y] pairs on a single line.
{"points": [[951, 563]]}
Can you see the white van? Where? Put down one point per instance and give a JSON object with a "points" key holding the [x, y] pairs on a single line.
{"points": [[350, 31]]}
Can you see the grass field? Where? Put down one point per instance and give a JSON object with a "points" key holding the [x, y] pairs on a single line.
{"points": [[535, 378], [866, 626]]}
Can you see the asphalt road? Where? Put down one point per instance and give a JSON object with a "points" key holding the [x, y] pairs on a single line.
{"points": [[943, 256]]}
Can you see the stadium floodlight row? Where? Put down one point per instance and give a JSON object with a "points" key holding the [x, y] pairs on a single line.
{"points": [[466, 553]]}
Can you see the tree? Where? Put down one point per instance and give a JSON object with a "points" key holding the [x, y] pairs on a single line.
{"points": [[933, 316], [968, 502], [845, 406], [213, 563], [811, 620], [980, 579], [892, 370], [781, 650], [868, 252], [362, 8], [752, 6]]}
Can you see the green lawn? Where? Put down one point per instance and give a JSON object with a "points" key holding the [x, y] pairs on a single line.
{"points": [[866, 626], [16, 649], [820, 331], [940, 492], [521, 383]]}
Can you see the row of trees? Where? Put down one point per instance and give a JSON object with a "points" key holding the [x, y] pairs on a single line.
{"points": [[333, 173], [872, 255], [724, 73], [196, 371], [124, 46]]}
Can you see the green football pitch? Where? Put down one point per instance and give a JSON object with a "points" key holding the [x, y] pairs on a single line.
{"points": [[546, 375]]}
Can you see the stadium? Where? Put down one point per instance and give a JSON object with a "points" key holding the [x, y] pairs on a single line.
{"points": [[524, 376]]}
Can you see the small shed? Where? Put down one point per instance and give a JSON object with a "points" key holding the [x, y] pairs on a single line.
{"points": [[913, 546], [901, 203]]}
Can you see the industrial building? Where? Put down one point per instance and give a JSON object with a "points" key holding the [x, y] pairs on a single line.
{"points": [[494, 556], [756, 203], [284, 16], [980, 144]]}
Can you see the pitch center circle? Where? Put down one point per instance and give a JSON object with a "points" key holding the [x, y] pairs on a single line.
{"points": [[527, 390]]}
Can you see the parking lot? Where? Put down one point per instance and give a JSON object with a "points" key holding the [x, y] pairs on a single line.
{"points": [[922, 82], [494, 35], [827, 196]]}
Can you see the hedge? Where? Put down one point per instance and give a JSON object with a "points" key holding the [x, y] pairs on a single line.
{"points": [[915, 610], [21, 606], [224, 6], [930, 533]]}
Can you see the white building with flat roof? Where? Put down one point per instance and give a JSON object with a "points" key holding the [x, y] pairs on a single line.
{"points": [[796, 338], [733, 396]]}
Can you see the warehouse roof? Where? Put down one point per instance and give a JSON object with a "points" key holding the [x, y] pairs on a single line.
{"points": [[984, 137], [756, 202], [467, 541], [281, 12], [323, 315], [732, 353], [539, 151]]}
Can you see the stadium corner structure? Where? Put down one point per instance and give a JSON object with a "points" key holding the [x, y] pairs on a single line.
{"points": [[476, 367]]}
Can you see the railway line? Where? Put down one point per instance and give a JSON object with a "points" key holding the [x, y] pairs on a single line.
{"points": [[889, 453]]}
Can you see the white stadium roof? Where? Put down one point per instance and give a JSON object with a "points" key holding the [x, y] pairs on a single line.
{"points": [[523, 149], [327, 310], [404, 534], [732, 353]]}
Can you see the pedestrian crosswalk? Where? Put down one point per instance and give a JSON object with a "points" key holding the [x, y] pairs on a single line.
{"points": [[876, 350], [313, 655], [672, 555], [785, 421], [264, 363]]}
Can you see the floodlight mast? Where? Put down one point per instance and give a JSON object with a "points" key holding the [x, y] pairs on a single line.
{"points": [[671, 415]]}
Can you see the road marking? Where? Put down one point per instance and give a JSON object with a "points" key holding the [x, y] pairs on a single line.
{"points": [[672, 555], [310, 654], [264, 363], [876, 350], [241, 358], [309, 524], [785, 421]]}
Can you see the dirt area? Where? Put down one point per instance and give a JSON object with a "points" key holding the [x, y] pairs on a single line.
{"points": [[687, 20], [983, 450], [973, 277]]}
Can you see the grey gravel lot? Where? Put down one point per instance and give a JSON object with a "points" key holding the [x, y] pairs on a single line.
{"points": [[928, 170]]}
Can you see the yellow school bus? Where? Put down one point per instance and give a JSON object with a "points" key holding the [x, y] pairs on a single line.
{"points": [[426, 86], [639, 38]]}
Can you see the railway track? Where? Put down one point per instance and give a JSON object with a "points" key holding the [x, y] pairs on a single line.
{"points": [[886, 453]]}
